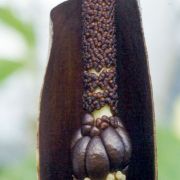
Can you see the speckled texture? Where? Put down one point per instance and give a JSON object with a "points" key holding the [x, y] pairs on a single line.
{"points": [[99, 54]]}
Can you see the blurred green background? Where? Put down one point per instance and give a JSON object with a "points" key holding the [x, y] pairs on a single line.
{"points": [[24, 39]]}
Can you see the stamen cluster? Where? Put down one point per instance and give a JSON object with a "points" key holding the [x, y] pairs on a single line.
{"points": [[99, 54]]}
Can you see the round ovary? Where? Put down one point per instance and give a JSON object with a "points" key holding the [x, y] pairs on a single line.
{"points": [[100, 151]]}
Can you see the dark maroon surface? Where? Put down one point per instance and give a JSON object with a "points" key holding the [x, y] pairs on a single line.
{"points": [[61, 104], [135, 99]]}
